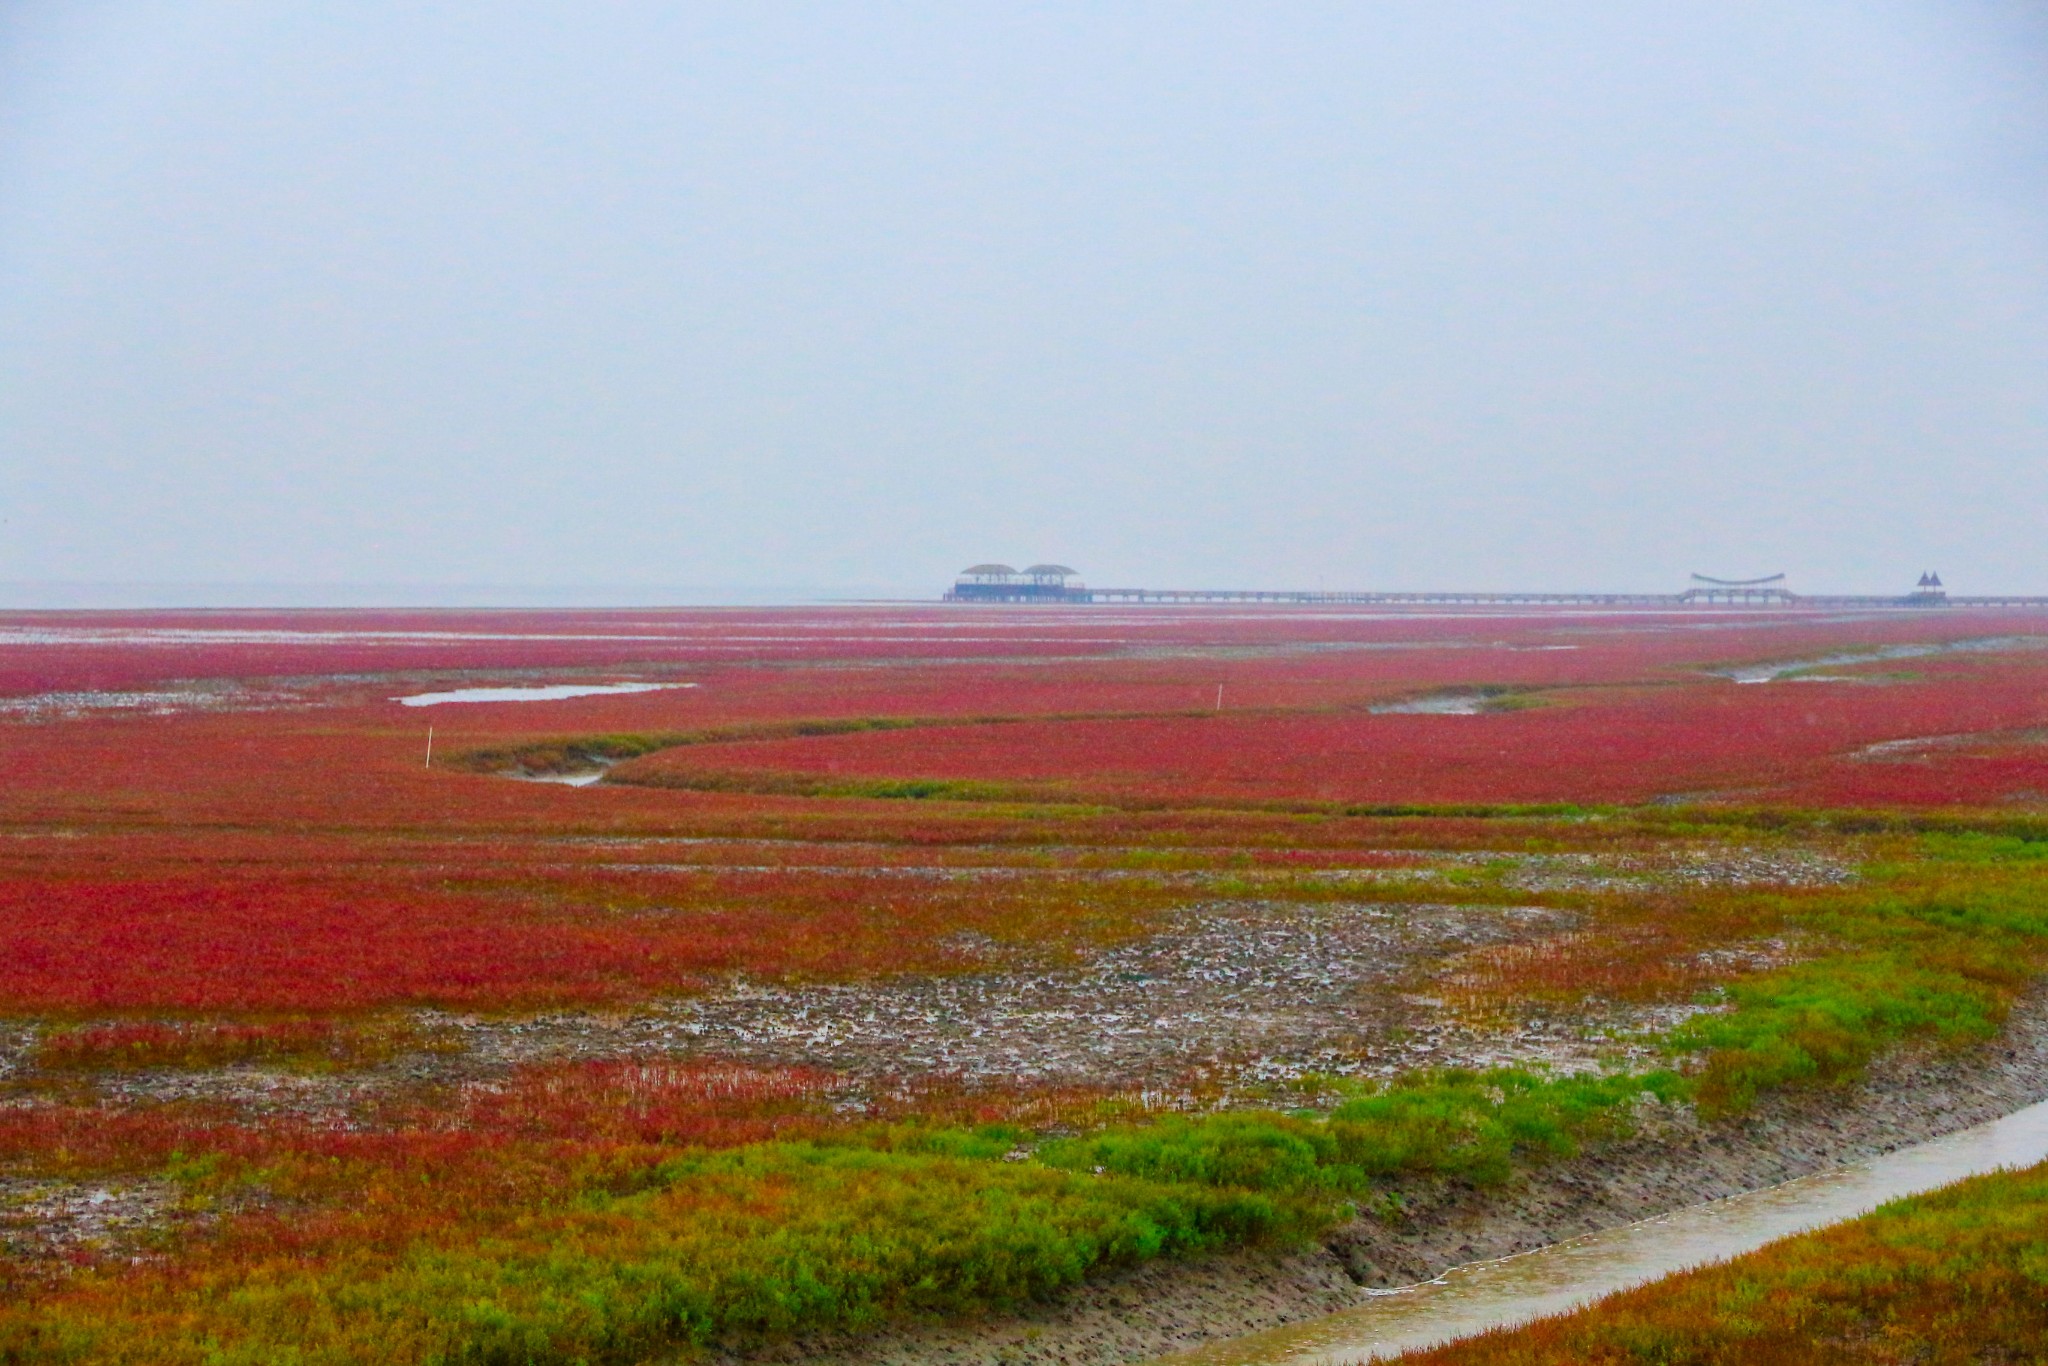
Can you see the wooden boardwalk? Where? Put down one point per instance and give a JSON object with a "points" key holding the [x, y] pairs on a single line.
{"points": [[1755, 599]]}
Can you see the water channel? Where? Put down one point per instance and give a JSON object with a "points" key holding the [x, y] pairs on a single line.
{"points": [[1471, 1299]]}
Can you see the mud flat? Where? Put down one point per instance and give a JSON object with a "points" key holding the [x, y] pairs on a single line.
{"points": [[1674, 1162]]}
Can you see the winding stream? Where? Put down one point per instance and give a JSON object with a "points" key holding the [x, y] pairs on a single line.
{"points": [[1512, 1290]]}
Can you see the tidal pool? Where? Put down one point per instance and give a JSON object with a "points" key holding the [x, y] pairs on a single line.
{"points": [[1513, 1290], [1436, 704], [582, 778], [547, 692]]}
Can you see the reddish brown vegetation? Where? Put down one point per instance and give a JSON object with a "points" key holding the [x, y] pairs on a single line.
{"points": [[234, 889], [1607, 744], [307, 859]]}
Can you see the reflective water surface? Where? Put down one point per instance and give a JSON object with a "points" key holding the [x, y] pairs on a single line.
{"points": [[547, 692], [1472, 1299]]}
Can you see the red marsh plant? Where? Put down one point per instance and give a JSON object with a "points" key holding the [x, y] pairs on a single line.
{"points": [[125, 1045]]}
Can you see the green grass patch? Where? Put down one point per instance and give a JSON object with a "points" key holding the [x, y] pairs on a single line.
{"points": [[1465, 1124], [701, 1249]]}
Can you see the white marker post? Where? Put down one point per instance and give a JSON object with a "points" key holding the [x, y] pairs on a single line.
{"points": [[1219, 697], [430, 746]]}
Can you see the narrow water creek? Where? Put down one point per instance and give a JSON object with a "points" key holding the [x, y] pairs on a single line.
{"points": [[1513, 1290]]}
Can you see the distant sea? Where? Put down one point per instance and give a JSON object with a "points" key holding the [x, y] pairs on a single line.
{"points": [[76, 596]]}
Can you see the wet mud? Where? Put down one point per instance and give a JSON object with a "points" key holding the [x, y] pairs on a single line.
{"points": [[1676, 1160]]}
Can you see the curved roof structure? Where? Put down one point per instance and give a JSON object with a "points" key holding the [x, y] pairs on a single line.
{"points": [[1740, 583], [1052, 571], [988, 569]]}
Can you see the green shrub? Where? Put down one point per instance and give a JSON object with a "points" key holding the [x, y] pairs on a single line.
{"points": [[1470, 1125], [756, 1240]]}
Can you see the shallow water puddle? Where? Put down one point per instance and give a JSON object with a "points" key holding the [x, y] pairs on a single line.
{"points": [[1514, 1290], [1799, 670], [548, 692], [1437, 704]]}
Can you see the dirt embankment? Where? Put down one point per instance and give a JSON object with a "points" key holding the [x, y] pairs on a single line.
{"points": [[1676, 1161]]}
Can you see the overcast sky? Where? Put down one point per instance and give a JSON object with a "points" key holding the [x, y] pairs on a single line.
{"points": [[845, 297]]}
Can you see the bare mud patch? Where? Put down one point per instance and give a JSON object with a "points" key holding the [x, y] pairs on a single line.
{"points": [[1246, 990], [1686, 868], [1926, 747], [164, 701], [51, 1224]]}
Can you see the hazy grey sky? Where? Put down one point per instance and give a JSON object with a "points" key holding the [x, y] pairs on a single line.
{"points": [[1544, 294]]}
